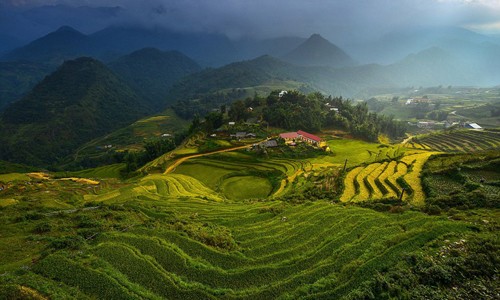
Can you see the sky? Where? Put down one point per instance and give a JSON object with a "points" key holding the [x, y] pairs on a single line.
{"points": [[342, 21]]}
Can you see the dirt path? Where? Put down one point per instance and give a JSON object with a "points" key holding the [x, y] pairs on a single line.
{"points": [[183, 159]]}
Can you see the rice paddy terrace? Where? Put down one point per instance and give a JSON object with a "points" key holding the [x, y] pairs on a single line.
{"points": [[457, 141], [387, 180], [315, 251], [215, 227]]}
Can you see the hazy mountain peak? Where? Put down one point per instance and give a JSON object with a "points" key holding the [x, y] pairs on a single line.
{"points": [[67, 28], [318, 51]]}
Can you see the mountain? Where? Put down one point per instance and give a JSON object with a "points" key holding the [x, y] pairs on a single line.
{"points": [[433, 66], [398, 44], [8, 43], [277, 47], [112, 42], [317, 51], [206, 48], [55, 47], [81, 100], [236, 75], [38, 20], [152, 72], [17, 78]]}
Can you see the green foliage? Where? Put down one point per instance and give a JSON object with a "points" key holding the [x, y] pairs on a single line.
{"points": [[151, 73], [76, 103], [460, 269], [296, 111], [462, 181], [17, 78]]}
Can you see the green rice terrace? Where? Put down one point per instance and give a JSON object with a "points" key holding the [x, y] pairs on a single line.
{"points": [[235, 224], [457, 141]]}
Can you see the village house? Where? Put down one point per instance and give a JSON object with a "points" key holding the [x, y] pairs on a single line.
{"points": [[289, 137], [270, 144], [309, 138], [292, 137]]}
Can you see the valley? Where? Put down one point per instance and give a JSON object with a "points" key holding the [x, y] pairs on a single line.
{"points": [[177, 152]]}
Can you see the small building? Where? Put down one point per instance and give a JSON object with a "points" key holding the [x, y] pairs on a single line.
{"points": [[231, 123], [282, 93], [473, 126], [289, 137], [270, 144], [309, 138], [240, 135], [251, 135], [166, 135]]}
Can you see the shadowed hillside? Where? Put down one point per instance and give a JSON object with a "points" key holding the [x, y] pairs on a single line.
{"points": [[80, 101]]}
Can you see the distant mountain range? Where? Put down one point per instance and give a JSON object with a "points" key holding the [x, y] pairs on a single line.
{"points": [[81, 100], [110, 43]]}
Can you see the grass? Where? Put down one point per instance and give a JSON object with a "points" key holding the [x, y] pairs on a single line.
{"points": [[14, 177], [356, 152], [245, 187], [294, 258]]}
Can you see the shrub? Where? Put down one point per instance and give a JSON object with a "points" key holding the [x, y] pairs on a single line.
{"points": [[67, 242], [42, 227]]}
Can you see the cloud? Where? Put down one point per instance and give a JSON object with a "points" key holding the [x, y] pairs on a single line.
{"points": [[339, 20]]}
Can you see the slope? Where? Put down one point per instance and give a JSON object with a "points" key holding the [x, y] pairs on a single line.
{"points": [[151, 72], [18, 78], [81, 100]]}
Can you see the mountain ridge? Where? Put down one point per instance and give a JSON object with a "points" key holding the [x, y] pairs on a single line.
{"points": [[81, 100]]}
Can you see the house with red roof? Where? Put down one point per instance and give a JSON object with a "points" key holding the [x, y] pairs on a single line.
{"points": [[289, 137], [307, 137]]}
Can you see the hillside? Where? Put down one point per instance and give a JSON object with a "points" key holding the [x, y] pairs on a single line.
{"points": [[18, 78], [81, 100], [317, 51], [238, 225], [236, 75], [152, 72]]}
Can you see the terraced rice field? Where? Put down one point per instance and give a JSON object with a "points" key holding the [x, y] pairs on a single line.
{"points": [[380, 180], [321, 251], [457, 141]]}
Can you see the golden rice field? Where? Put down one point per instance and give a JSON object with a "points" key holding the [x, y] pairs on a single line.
{"points": [[383, 180]]}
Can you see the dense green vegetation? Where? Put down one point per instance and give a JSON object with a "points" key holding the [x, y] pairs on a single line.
{"points": [[462, 181], [315, 111], [80, 101], [17, 78], [151, 73]]}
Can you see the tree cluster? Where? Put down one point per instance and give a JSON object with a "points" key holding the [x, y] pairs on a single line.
{"points": [[312, 112]]}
